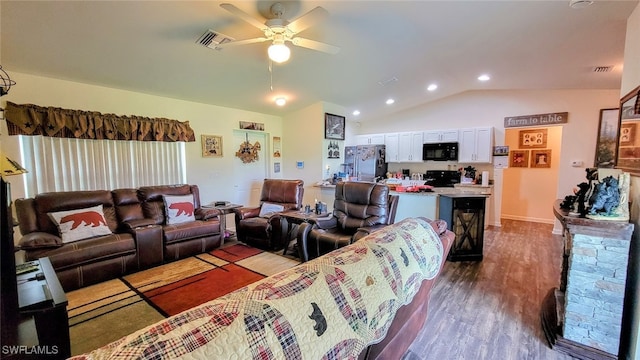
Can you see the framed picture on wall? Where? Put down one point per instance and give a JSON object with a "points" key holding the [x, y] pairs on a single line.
{"points": [[533, 138], [607, 143], [541, 158], [519, 158], [211, 145], [628, 155], [334, 126]]}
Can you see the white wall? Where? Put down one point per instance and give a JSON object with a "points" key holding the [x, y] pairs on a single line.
{"points": [[212, 175], [489, 108], [304, 141]]}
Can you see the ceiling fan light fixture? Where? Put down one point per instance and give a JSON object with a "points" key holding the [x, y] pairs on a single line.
{"points": [[279, 52]]}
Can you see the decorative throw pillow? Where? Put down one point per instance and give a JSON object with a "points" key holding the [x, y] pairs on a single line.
{"points": [[269, 209], [179, 209], [79, 224]]}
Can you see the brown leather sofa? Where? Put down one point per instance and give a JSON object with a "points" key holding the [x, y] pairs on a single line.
{"points": [[139, 238], [410, 318], [269, 231], [359, 209]]}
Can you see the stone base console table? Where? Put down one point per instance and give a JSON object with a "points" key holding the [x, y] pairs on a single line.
{"points": [[583, 316]]}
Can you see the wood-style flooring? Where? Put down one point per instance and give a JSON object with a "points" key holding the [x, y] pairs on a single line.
{"points": [[491, 309]]}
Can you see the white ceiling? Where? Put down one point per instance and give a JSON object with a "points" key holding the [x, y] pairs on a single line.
{"points": [[150, 47]]}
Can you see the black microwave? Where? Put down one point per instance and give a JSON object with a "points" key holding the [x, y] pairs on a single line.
{"points": [[440, 151]]}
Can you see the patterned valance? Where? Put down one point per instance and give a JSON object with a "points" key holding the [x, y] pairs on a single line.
{"points": [[29, 119]]}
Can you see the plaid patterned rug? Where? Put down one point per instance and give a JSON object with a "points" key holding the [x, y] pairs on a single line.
{"points": [[107, 311]]}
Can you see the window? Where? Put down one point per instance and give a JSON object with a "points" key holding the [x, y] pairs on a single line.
{"points": [[64, 164]]}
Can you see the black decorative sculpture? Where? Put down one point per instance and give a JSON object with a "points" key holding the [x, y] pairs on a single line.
{"points": [[606, 197]]}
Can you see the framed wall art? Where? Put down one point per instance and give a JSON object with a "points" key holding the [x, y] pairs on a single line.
{"points": [[607, 143], [628, 155], [627, 133], [211, 145], [248, 125], [334, 126], [533, 138], [519, 158], [541, 158]]}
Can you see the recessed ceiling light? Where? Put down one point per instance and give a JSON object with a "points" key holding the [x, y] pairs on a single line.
{"points": [[484, 77], [432, 87], [356, 112], [580, 4], [390, 101], [280, 101]]}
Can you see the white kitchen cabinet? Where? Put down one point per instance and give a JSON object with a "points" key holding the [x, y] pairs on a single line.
{"points": [[410, 147], [391, 142], [404, 147], [475, 145], [370, 139], [438, 136]]}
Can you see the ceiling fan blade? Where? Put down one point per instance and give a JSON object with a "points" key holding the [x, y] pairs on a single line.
{"points": [[305, 21], [242, 42], [315, 45], [244, 16]]}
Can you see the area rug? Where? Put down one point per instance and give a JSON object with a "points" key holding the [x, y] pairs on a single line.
{"points": [[105, 312]]}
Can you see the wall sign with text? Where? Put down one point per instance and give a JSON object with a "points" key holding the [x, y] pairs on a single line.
{"points": [[536, 120]]}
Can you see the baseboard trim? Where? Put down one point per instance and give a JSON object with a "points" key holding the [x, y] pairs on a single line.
{"points": [[525, 218]]}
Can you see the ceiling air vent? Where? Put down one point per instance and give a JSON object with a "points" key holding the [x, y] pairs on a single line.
{"points": [[212, 39], [602, 69]]}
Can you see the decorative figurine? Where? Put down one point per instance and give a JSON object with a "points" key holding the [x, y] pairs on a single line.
{"points": [[607, 197]]}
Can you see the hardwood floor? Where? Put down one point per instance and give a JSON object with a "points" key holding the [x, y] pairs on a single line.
{"points": [[491, 309]]}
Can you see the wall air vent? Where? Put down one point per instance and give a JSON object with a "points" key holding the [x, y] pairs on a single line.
{"points": [[602, 69], [212, 39]]}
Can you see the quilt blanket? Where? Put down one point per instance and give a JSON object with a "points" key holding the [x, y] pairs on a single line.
{"points": [[328, 308]]}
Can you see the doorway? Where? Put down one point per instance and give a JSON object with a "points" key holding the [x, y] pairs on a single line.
{"points": [[249, 174], [530, 183]]}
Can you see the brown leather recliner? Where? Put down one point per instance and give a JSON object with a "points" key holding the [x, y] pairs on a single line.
{"points": [[359, 209], [270, 230]]}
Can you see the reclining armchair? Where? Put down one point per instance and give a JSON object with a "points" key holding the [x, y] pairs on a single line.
{"points": [[262, 226], [359, 209]]}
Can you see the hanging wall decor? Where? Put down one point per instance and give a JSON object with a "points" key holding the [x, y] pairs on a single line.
{"points": [[248, 153], [211, 146]]}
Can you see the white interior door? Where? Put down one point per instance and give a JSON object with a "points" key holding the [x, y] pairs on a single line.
{"points": [[249, 176]]}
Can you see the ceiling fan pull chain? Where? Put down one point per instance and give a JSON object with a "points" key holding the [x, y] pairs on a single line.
{"points": [[271, 74]]}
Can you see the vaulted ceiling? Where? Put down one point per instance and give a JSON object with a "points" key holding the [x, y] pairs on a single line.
{"points": [[387, 49]]}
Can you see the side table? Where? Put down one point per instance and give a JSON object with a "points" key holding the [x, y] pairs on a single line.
{"points": [[297, 217], [41, 296], [225, 210]]}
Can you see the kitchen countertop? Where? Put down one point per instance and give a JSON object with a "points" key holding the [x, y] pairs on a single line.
{"points": [[466, 195]]}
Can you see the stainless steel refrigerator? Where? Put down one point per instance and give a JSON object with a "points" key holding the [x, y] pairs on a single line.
{"points": [[366, 162]]}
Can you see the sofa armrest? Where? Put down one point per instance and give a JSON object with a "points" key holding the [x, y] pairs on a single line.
{"points": [[364, 231], [303, 239], [207, 213], [149, 245], [246, 212], [129, 226], [39, 240], [324, 223]]}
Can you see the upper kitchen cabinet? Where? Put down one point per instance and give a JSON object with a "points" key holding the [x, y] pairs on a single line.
{"points": [[370, 139], [438, 136], [476, 145], [391, 144], [404, 147]]}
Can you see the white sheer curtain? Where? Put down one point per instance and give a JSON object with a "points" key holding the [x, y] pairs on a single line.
{"points": [[62, 164]]}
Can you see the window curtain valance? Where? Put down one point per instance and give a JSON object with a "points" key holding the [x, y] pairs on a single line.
{"points": [[29, 119]]}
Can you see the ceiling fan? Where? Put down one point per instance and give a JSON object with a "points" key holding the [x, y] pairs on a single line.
{"points": [[279, 31]]}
